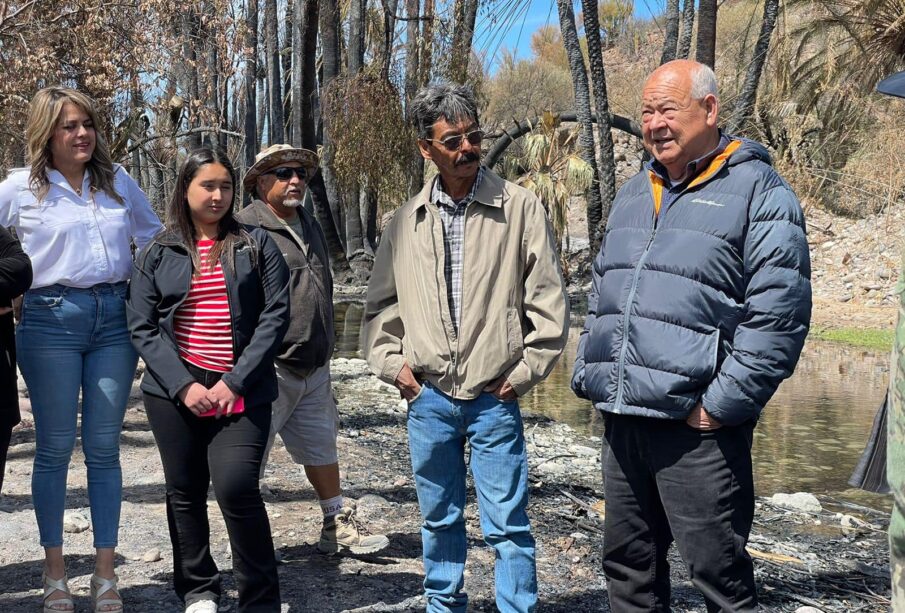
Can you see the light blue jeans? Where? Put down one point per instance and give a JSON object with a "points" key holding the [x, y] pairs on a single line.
{"points": [[69, 341], [438, 427]]}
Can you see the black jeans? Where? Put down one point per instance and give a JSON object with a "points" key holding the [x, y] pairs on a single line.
{"points": [[665, 480], [6, 434], [196, 451]]}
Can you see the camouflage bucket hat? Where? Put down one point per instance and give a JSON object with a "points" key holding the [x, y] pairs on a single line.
{"points": [[277, 155]]}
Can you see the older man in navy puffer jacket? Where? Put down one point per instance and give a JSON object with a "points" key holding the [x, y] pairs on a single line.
{"points": [[700, 304]]}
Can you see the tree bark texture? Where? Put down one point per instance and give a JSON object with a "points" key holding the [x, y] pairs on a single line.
{"points": [[298, 24], [672, 31], [322, 211], [744, 104], [427, 43], [286, 65], [212, 84], [251, 83], [606, 161], [412, 82], [389, 29], [357, 27], [687, 29], [330, 68], [309, 74], [274, 81], [465, 14], [261, 106], [355, 49], [583, 110], [187, 71], [706, 45]]}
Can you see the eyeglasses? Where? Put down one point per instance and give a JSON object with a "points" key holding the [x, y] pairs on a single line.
{"points": [[284, 173], [452, 143]]}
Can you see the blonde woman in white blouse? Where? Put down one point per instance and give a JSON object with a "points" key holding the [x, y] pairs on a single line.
{"points": [[79, 216]]}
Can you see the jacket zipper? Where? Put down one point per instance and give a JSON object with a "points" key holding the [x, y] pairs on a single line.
{"points": [[620, 378], [230, 294], [623, 350]]}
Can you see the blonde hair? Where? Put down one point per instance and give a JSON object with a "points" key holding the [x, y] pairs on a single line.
{"points": [[43, 115]]}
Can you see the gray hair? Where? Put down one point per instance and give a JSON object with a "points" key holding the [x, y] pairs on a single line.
{"points": [[441, 100], [703, 82]]}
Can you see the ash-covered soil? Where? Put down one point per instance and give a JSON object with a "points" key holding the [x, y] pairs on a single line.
{"points": [[833, 559]]}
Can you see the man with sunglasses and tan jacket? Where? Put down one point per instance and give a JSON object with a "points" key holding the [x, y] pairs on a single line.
{"points": [[305, 414], [466, 312]]}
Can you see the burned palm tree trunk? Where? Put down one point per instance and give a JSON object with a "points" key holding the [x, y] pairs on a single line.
{"points": [[606, 161], [744, 104], [274, 81], [672, 31], [706, 44], [687, 28], [583, 110]]}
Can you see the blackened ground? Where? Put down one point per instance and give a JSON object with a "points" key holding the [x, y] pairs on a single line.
{"points": [[801, 559]]}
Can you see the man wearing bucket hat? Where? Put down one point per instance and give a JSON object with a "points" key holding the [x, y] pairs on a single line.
{"points": [[305, 414], [894, 85]]}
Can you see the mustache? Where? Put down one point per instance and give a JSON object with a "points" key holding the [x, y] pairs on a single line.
{"points": [[468, 158]]}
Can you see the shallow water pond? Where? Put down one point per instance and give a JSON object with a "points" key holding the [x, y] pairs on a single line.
{"points": [[809, 437]]}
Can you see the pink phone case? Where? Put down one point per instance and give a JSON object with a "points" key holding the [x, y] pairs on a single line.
{"points": [[238, 407]]}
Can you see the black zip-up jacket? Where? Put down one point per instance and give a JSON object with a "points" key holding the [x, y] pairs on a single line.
{"points": [[308, 344], [258, 295], [15, 278]]}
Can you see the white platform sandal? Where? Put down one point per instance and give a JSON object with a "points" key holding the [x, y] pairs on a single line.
{"points": [[101, 585], [57, 605]]}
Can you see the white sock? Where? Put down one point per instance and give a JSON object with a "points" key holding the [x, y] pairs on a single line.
{"points": [[332, 506]]}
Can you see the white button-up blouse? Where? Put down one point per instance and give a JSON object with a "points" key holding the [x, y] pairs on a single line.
{"points": [[73, 240]]}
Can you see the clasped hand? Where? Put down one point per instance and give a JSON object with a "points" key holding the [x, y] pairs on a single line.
{"points": [[199, 399]]}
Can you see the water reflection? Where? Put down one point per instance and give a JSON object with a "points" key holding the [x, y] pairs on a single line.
{"points": [[348, 318], [809, 437]]}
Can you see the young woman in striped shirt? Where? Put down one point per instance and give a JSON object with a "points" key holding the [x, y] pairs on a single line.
{"points": [[207, 309]]}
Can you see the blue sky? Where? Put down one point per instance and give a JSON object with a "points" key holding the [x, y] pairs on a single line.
{"points": [[519, 25]]}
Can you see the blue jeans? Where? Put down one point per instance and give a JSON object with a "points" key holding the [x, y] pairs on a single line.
{"points": [[438, 427], [69, 341]]}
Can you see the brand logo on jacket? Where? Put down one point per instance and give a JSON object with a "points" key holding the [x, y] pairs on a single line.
{"points": [[707, 202]]}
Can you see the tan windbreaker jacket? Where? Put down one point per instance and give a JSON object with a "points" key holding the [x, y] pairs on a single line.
{"points": [[515, 314]]}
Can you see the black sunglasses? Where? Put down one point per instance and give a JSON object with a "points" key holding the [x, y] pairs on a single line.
{"points": [[475, 137], [284, 173]]}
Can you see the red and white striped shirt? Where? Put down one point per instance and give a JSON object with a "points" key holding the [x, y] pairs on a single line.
{"points": [[204, 332]]}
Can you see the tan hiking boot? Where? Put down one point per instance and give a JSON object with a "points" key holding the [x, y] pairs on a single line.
{"points": [[341, 534]]}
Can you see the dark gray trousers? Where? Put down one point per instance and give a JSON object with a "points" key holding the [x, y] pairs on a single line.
{"points": [[665, 481]]}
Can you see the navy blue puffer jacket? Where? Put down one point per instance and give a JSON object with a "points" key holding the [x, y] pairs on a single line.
{"points": [[710, 301]]}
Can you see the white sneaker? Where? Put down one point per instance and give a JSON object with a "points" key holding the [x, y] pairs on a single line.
{"points": [[202, 606]]}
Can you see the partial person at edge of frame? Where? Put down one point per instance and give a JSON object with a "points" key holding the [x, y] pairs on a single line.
{"points": [[78, 216], [15, 278], [894, 85], [208, 307]]}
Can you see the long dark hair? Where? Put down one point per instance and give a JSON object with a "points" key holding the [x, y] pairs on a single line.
{"points": [[230, 234]]}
